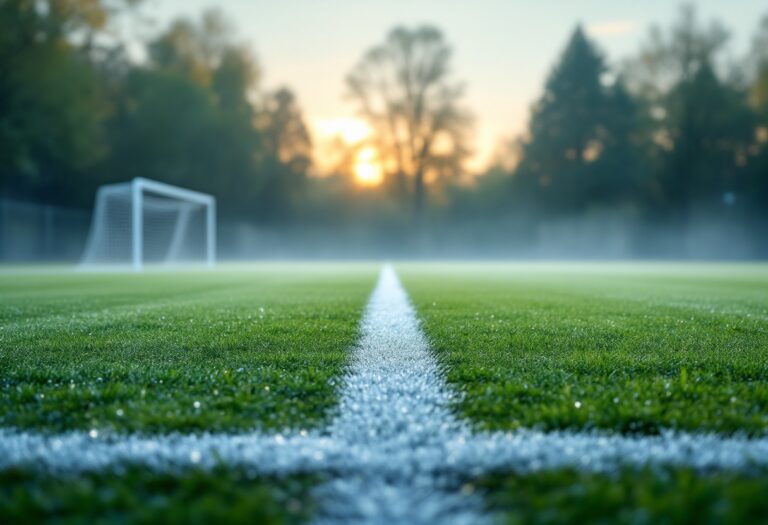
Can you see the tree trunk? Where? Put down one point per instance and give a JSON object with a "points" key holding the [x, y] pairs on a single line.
{"points": [[419, 236], [418, 197]]}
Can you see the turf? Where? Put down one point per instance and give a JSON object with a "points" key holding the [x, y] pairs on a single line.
{"points": [[631, 348], [617, 347], [141, 497], [659, 497], [258, 347]]}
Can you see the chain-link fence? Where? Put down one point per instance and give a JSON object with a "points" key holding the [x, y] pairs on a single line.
{"points": [[39, 232]]}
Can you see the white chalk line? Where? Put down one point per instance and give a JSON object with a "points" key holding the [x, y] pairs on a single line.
{"points": [[395, 451]]}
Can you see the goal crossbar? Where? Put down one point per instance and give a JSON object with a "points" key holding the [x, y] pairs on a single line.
{"points": [[140, 186], [140, 192]]}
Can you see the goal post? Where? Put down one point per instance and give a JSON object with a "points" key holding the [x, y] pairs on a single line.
{"points": [[148, 221]]}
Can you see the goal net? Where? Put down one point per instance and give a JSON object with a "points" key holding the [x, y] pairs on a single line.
{"points": [[144, 221]]}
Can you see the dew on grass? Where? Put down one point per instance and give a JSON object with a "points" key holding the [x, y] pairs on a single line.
{"points": [[196, 404], [577, 404], [119, 412]]}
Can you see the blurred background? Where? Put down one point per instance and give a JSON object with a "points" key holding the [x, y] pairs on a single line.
{"points": [[400, 129]]}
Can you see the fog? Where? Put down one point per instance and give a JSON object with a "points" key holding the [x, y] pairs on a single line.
{"points": [[33, 233], [661, 153]]}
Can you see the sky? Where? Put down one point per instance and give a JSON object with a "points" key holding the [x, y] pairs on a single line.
{"points": [[503, 49]]}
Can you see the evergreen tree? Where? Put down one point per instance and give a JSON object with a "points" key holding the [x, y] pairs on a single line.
{"points": [[758, 184], [700, 123], [710, 127], [580, 138]]}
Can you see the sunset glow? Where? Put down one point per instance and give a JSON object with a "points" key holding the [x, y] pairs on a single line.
{"points": [[351, 130], [368, 171]]}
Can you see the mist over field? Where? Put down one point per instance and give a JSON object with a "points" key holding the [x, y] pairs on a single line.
{"points": [[432, 262], [657, 151]]}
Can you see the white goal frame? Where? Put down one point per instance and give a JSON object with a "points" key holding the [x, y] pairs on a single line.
{"points": [[137, 188]]}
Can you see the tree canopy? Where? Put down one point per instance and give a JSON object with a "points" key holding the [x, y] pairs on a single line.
{"points": [[581, 136], [403, 89]]}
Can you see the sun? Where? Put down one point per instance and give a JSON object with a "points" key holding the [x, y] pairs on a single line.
{"points": [[353, 132], [367, 169]]}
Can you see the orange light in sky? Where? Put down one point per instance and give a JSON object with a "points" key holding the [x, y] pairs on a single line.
{"points": [[351, 130], [367, 168]]}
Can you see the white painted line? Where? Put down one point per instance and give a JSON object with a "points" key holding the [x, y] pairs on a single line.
{"points": [[394, 453], [394, 414]]}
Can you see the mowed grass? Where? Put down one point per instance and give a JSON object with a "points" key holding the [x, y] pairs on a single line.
{"points": [[630, 348], [257, 347], [627, 348], [619, 348], [137, 496], [658, 496], [239, 348]]}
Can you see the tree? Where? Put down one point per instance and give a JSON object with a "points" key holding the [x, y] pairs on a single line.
{"points": [[760, 61], [700, 124], [758, 185], [194, 116], [52, 99], [710, 127], [288, 151], [580, 148], [284, 130], [404, 91]]}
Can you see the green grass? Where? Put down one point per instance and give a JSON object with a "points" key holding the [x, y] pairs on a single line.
{"points": [[632, 348], [638, 347], [258, 347], [653, 497], [136, 496]]}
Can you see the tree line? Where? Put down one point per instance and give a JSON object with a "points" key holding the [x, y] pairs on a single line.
{"points": [[76, 112], [677, 131], [671, 134]]}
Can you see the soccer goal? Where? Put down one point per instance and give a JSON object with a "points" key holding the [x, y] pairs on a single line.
{"points": [[145, 221]]}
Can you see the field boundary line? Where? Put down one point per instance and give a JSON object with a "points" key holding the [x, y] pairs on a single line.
{"points": [[394, 452]]}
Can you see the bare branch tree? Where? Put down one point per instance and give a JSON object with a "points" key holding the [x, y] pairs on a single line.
{"points": [[404, 91]]}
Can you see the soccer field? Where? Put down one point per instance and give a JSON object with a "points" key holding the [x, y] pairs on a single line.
{"points": [[287, 359]]}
